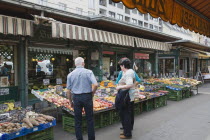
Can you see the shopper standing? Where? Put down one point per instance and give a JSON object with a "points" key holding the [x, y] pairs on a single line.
{"points": [[127, 81], [82, 85]]}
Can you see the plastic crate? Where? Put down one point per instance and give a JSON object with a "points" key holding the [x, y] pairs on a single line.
{"points": [[115, 117], [97, 121], [35, 128], [14, 135], [175, 95], [148, 105], [69, 119], [46, 134], [105, 118], [13, 94], [137, 108]]}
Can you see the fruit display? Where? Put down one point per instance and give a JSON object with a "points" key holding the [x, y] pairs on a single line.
{"points": [[107, 84]]}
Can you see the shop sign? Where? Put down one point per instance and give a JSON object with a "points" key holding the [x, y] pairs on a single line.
{"points": [[172, 11], [108, 52], [172, 52], [46, 81], [141, 56], [58, 81], [4, 91]]}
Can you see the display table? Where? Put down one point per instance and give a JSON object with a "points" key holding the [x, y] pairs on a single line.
{"points": [[206, 76]]}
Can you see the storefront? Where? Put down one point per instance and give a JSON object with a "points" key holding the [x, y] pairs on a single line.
{"points": [[13, 34], [168, 63]]}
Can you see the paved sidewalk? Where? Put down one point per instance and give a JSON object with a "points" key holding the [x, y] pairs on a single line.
{"points": [[188, 119]]}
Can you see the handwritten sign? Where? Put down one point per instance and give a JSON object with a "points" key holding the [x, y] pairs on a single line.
{"points": [[17, 104], [46, 81], [29, 107], [4, 116], [3, 106], [4, 91], [59, 89], [58, 81]]}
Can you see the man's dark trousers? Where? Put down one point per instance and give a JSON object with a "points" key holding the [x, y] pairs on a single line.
{"points": [[84, 100]]}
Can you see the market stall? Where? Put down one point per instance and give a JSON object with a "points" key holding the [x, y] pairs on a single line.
{"points": [[19, 123]]}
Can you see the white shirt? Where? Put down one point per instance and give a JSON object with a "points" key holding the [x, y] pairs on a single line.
{"points": [[128, 78]]}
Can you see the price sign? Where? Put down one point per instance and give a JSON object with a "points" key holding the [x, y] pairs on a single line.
{"points": [[58, 81], [59, 89], [29, 107], [46, 81], [17, 104], [4, 116], [12, 112], [4, 91], [3, 106]]}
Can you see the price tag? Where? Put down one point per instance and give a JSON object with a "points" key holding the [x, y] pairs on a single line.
{"points": [[50, 124], [59, 89], [17, 104], [58, 81], [17, 133], [46, 81], [29, 107], [4, 91], [3, 106], [12, 112], [4, 116], [35, 129]]}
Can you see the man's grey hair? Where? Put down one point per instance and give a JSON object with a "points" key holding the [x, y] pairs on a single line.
{"points": [[78, 61]]}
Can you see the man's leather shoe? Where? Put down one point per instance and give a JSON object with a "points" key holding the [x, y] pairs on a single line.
{"points": [[125, 137]]}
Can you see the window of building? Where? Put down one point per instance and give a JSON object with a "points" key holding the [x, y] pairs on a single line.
{"points": [[134, 21], [111, 14], [134, 11], [120, 5], [7, 67], [140, 23], [43, 2], [150, 17], [102, 2], [62, 6], [145, 24], [127, 11], [146, 17], [156, 19], [91, 4], [127, 19], [90, 13], [119, 16], [79, 11], [102, 12], [160, 29], [140, 14], [111, 3], [160, 22], [151, 26], [156, 28]]}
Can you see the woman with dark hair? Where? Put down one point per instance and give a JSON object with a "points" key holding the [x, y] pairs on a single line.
{"points": [[127, 81]]}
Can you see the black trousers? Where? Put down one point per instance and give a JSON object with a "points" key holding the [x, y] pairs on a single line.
{"points": [[86, 101], [127, 118]]}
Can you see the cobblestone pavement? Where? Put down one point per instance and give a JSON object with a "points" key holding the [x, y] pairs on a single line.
{"points": [[188, 119]]}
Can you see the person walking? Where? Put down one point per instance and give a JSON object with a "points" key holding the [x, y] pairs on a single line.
{"points": [[127, 82], [81, 85]]}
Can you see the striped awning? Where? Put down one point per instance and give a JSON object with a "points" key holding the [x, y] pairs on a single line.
{"points": [[15, 26], [75, 32], [51, 50], [150, 44]]}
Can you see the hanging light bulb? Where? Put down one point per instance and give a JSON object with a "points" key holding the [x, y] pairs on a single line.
{"points": [[67, 59]]}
